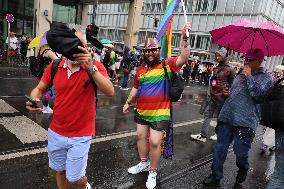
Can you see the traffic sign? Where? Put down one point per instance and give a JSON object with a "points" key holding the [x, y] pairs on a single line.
{"points": [[10, 18]]}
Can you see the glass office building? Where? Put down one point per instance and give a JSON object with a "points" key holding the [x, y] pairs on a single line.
{"points": [[204, 15], [23, 14]]}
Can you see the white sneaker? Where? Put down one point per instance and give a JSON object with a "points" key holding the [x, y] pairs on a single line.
{"points": [[142, 166], [88, 186], [47, 110], [198, 137], [213, 137], [151, 181]]}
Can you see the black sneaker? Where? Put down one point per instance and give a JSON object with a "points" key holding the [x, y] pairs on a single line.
{"points": [[241, 176], [211, 181]]}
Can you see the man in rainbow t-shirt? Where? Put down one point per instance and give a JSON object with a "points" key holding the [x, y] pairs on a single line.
{"points": [[152, 112]]}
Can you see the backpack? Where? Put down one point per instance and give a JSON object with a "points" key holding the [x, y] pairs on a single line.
{"points": [[272, 107], [38, 64], [54, 70], [176, 84]]}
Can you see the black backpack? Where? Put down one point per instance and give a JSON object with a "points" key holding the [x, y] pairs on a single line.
{"points": [[38, 64], [176, 84], [54, 70], [272, 107]]}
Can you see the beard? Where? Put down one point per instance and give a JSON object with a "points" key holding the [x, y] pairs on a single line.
{"points": [[152, 62]]}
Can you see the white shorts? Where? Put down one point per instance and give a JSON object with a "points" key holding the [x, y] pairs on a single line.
{"points": [[68, 154], [117, 65], [112, 67]]}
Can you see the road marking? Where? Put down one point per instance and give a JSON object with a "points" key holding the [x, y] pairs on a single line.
{"points": [[95, 140], [17, 78], [26, 130], [6, 108]]}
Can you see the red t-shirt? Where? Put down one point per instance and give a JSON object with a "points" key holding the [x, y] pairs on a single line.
{"points": [[74, 106]]}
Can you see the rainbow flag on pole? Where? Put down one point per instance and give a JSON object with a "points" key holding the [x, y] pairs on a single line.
{"points": [[164, 35]]}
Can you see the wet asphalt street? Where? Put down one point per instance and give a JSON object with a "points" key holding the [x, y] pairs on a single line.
{"points": [[23, 140]]}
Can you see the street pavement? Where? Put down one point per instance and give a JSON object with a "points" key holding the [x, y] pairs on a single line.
{"points": [[23, 138]]}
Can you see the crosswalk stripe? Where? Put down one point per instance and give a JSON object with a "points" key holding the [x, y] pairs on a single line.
{"points": [[6, 108], [26, 130]]}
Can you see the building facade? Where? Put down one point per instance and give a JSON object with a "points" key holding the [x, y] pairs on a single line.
{"points": [[204, 15]]}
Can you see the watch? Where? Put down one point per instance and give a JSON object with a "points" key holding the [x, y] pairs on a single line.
{"points": [[94, 69]]}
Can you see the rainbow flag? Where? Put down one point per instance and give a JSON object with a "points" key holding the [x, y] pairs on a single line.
{"points": [[164, 35]]}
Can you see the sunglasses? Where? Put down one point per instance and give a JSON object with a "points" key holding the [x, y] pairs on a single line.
{"points": [[248, 60], [147, 51]]}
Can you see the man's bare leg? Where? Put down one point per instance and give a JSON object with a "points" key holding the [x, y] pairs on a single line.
{"points": [[62, 182], [142, 141], [155, 147], [81, 183]]}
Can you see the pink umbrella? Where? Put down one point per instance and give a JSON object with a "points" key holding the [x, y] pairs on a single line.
{"points": [[244, 35]]}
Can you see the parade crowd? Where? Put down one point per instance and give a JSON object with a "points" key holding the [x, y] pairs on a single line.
{"points": [[233, 97]]}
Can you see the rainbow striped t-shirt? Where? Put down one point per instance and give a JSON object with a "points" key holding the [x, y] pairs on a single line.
{"points": [[152, 104]]}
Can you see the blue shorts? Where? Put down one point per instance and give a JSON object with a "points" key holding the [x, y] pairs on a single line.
{"points": [[68, 154]]}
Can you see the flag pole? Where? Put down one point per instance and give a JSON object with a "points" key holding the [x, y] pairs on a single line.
{"points": [[185, 17]]}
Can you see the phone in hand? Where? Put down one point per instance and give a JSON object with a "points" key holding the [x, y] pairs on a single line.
{"points": [[34, 103]]}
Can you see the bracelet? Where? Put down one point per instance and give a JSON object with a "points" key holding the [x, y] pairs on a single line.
{"points": [[127, 102]]}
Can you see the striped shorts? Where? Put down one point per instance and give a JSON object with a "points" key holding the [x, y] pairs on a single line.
{"points": [[68, 154]]}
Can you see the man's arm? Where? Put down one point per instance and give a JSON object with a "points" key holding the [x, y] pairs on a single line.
{"points": [[258, 88], [131, 97], [185, 49], [103, 83], [36, 95]]}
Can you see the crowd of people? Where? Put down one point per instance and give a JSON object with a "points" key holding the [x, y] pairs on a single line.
{"points": [[234, 95], [17, 46]]}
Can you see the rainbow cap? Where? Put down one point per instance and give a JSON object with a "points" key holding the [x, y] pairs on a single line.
{"points": [[151, 43]]}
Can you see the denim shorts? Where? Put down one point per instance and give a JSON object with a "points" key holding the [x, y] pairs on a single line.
{"points": [[68, 154]]}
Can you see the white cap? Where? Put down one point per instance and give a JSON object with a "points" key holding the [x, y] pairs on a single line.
{"points": [[222, 52]]}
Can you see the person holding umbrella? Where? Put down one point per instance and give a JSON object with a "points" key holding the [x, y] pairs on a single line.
{"points": [[239, 117]]}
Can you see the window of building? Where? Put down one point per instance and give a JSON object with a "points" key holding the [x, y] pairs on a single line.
{"points": [[29, 7], [192, 40], [176, 40], [202, 42], [64, 13], [17, 6]]}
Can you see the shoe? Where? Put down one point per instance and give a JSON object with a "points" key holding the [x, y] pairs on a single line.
{"points": [[124, 89], [151, 181], [47, 110], [142, 166], [88, 186], [263, 149], [213, 137], [211, 181], [241, 176], [272, 149], [198, 137]]}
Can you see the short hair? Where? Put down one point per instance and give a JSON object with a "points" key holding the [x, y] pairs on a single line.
{"points": [[78, 28]]}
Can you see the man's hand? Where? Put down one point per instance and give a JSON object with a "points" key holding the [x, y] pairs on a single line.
{"points": [[226, 91], [125, 109], [185, 29], [85, 58], [29, 106], [247, 70]]}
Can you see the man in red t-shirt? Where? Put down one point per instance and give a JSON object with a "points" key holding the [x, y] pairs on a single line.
{"points": [[73, 123]]}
